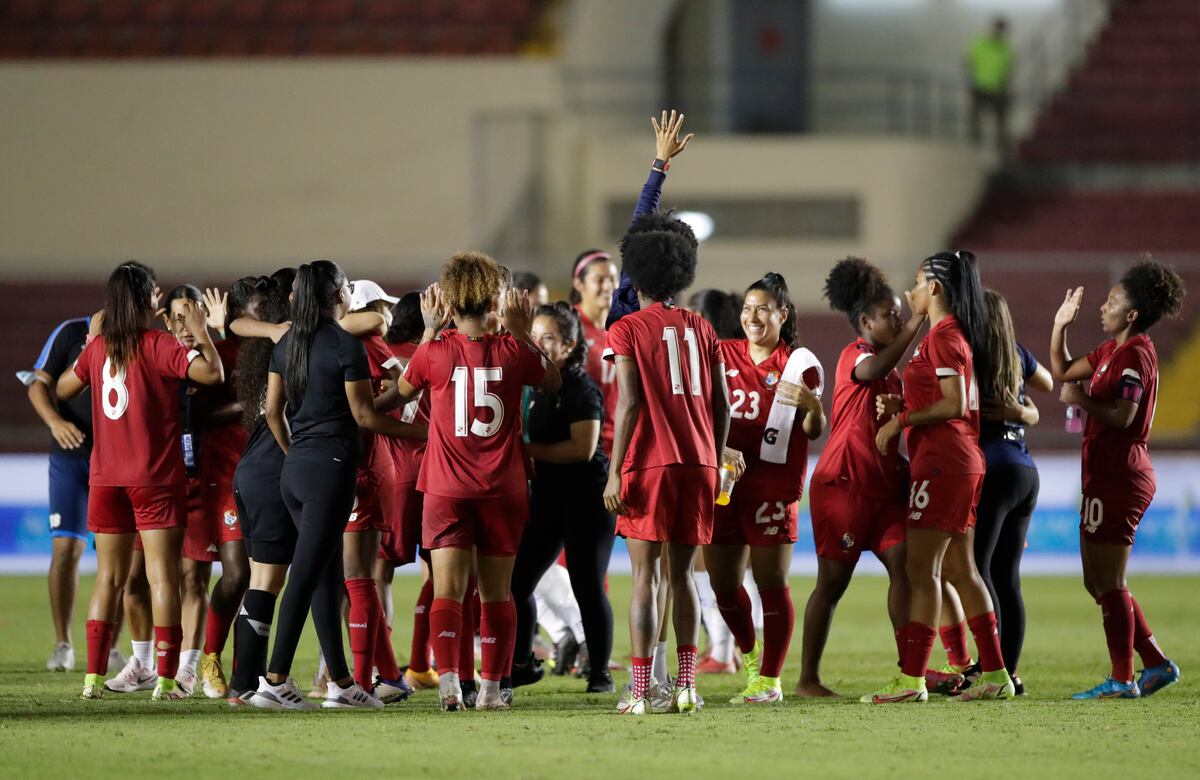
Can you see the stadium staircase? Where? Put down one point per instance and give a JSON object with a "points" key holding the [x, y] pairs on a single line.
{"points": [[109, 29], [1110, 170]]}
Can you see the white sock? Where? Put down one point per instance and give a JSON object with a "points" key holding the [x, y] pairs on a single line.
{"points": [[144, 652], [720, 639], [548, 618], [755, 600], [658, 670], [187, 662], [490, 688]]}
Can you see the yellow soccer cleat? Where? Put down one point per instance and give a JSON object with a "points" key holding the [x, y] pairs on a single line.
{"points": [[901, 690], [213, 676], [421, 680]]}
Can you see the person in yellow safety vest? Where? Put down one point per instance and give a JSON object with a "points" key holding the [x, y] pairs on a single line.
{"points": [[989, 69]]}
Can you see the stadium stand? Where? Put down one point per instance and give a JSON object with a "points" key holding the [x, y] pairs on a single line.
{"points": [[266, 28]]}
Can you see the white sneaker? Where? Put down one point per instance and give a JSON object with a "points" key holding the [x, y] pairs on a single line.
{"points": [[354, 697], [62, 659], [285, 696], [489, 697], [133, 677], [116, 659], [186, 680], [632, 705], [450, 692], [661, 696]]}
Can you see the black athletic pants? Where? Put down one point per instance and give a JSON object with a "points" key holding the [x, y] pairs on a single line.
{"points": [[319, 492], [1010, 493], [578, 521]]}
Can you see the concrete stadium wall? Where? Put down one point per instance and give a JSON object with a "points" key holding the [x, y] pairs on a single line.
{"points": [[391, 166], [247, 161]]}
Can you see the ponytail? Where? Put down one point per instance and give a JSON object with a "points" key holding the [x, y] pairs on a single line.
{"points": [[318, 287], [126, 308], [958, 273], [254, 355], [775, 285]]}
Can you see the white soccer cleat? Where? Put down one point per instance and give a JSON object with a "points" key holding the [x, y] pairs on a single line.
{"points": [[133, 677], [450, 692], [632, 705], [62, 659], [490, 697], [285, 696], [353, 697], [686, 700]]}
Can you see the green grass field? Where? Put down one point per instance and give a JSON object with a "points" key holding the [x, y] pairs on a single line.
{"points": [[556, 731]]}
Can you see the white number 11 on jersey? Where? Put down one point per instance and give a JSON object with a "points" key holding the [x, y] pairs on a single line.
{"points": [[671, 336]]}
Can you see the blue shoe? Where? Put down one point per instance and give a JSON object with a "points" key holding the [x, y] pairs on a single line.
{"points": [[1153, 680], [391, 691], [1111, 689]]}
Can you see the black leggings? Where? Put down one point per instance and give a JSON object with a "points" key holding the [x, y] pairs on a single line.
{"points": [[587, 531], [319, 493], [1010, 493]]}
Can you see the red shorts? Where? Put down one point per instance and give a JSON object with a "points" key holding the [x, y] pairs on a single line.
{"points": [[846, 522], [212, 520], [493, 526], [123, 510], [1111, 511], [372, 500], [669, 504], [403, 535], [757, 521], [944, 502]]}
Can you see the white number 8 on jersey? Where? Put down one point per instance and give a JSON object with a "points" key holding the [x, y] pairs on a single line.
{"points": [[114, 384]]}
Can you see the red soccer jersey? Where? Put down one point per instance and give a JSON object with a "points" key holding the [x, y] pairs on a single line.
{"points": [[407, 453], [1130, 372], [603, 373], [950, 447], [136, 413], [751, 394], [850, 455], [221, 448], [377, 453], [675, 351], [474, 387]]}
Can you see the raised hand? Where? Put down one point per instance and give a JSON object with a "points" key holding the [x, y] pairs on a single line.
{"points": [[518, 312], [1069, 310], [217, 304], [435, 312], [194, 318], [666, 135]]}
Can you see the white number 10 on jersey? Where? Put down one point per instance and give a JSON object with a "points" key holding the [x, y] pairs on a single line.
{"points": [[671, 336], [479, 379]]}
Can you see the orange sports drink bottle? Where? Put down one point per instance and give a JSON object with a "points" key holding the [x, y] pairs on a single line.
{"points": [[728, 479]]}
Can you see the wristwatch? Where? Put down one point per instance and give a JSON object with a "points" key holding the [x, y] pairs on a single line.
{"points": [[662, 166]]}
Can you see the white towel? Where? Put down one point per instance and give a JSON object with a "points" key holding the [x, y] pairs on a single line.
{"points": [[778, 433]]}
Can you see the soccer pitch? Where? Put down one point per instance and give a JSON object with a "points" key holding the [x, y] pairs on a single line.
{"points": [[556, 731]]}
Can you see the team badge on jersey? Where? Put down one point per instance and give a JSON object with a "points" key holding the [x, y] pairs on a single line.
{"points": [[771, 379], [230, 518], [848, 541]]}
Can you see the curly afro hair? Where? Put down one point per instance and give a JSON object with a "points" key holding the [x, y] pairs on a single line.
{"points": [[471, 281], [1155, 291], [854, 287], [659, 255]]}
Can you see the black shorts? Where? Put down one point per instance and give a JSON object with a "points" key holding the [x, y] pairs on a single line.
{"points": [[266, 523]]}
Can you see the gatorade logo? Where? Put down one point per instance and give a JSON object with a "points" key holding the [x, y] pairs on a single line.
{"points": [[770, 435]]}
